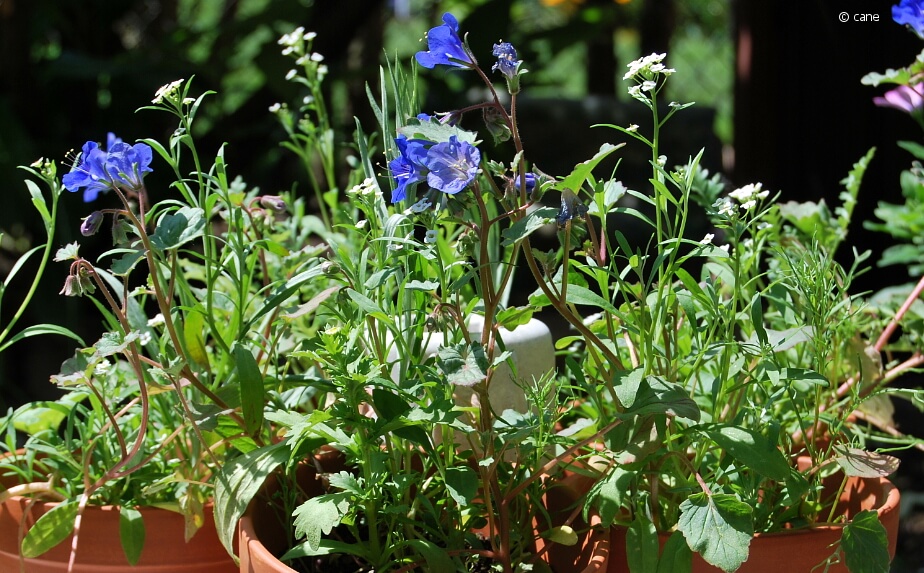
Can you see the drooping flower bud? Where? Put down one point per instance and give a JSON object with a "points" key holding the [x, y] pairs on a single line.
{"points": [[91, 224], [273, 202]]}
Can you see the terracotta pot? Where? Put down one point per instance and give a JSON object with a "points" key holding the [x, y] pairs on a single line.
{"points": [[799, 550], [261, 538], [99, 549]]}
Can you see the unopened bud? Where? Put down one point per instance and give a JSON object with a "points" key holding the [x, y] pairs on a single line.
{"points": [[274, 202], [91, 224]]}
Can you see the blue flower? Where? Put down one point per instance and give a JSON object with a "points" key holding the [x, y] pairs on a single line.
{"points": [[453, 165], [96, 171], [445, 46], [530, 182], [89, 173], [507, 62], [127, 164], [407, 168], [571, 207], [911, 14]]}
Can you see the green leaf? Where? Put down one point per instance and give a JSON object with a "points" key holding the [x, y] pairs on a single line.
{"points": [[642, 545], [718, 527], [436, 557], [463, 364], [676, 556], [112, 343], [462, 484], [658, 396], [584, 296], [238, 482], [38, 330], [626, 383], [607, 493], [50, 529], [582, 171], [532, 222], [251, 388], [865, 544], [36, 417], [124, 265], [194, 336], [319, 515], [131, 533], [750, 448], [327, 547], [177, 228]]}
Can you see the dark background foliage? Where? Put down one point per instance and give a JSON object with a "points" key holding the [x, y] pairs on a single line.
{"points": [[777, 85]]}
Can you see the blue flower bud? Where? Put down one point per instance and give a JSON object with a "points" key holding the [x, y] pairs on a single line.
{"points": [[91, 224]]}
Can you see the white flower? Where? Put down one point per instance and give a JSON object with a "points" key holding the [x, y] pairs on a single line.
{"points": [[157, 320], [746, 193], [635, 91], [316, 57], [632, 128], [322, 71], [308, 100], [724, 247], [166, 90], [707, 239], [309, 36], [748, 205], [361, 224], [648, 85], [144, 339], [662, 160], [102, 368], [763, 194], [430, 237], [643, 65], [725, 207], [291, 74]]}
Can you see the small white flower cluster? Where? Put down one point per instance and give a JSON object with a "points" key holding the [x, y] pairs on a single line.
{"points": [[367, 187], [749, 195], [431, 236], [167, 91], [294, 39], [646, 71], [298, 45], [648, 67]]}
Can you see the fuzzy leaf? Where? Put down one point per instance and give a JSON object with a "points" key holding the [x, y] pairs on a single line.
{"points": [[718, 527], [319, 515], [865, 545], [177, 228], [750, 448]]}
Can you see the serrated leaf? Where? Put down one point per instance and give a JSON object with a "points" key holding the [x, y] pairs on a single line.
{"points": [[50, 529], [860, 463], [750, 448], [718, 527], [463, 364], [177, 228], [532, 222], [865, 544], [131, 533], [319, 515], [67, 253]]}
